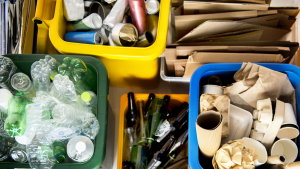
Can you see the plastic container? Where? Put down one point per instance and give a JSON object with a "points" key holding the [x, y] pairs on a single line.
{"points": [[166, 77], [23, 62], [226, 71], [176, 100], [127, 66]]}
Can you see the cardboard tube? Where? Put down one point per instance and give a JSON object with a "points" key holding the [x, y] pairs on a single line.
{"points": [[294, 165], [255, 114], [260, 127], [277, 159], [115, 34], [145, 40], [264, 104], [256, 135], [265, 116], [209, 132], [93, 21]]}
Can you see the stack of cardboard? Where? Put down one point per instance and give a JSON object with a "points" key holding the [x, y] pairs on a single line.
{"points": [[228, 31]]}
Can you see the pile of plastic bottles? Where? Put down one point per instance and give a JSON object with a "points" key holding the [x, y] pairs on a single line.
{"points": [[51, 118]]}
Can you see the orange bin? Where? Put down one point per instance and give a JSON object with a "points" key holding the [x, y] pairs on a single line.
{"points": [[176, 100]]}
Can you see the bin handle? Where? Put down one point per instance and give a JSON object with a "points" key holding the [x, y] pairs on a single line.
{"points": [[38, 18]]}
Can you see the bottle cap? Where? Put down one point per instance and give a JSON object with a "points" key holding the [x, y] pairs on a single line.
{"points": [[60, 158], [86, 96], [80, 146]]}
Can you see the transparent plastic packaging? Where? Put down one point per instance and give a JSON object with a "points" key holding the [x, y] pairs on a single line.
{"points": [[22, 83], [7, 70], [63, 89], [40, 74], [90, 125]]}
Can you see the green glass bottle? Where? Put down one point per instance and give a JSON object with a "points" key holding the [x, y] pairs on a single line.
{"points": [[154, 118], [15, 123], [60, 152], [83, 77], [142, 126]]}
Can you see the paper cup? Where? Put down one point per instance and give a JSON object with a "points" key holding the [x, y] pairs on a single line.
{"points": [[209, 132], [212, 89], [287, 148], [289, 128], [260, 150]]}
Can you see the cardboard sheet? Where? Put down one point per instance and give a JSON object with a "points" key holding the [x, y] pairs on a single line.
{"points": [[197, 7], [220, 26], [185, 23], [290, 11], [269, 20], [268, 12], [198, 59], [179, 66]]}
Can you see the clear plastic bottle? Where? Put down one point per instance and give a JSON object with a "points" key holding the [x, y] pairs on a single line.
{"points": [[63, 89], [67, 114], [7, 70], [60, 133], [90, 125], [3, 116], [80, 149], [40, 74], [5, 96], [89, 98], [22, 83], [45, 98], [53, 66]]}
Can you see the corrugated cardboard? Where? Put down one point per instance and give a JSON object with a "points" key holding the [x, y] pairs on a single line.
{"points": [[242, 35], [188, 50], [269, 20], [290, 11], [221, 26], [185, 23], [196, 7], [268, 12], [198, 59], [179, 66]]}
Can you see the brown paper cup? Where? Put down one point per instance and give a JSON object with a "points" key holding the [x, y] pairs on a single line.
{"points": [[209, 132]]}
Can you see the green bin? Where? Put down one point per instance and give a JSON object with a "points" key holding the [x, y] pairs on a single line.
{"points": [[24, 61]]}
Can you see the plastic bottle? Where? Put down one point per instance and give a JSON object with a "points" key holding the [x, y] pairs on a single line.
{"points": [[45, 98], [7, 70], [80, 149], [3, 116], [5, 96], [60, 152], [35, 113], [23, 84], [63, 89], [84, 78], [18, 153], [15, 123], [90, 125], [89, 98], [67, 114], [53, 66], [40, 74], [5, 144]]}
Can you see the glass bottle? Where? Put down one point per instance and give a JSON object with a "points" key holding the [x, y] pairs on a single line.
{"points": [[60, 152]]}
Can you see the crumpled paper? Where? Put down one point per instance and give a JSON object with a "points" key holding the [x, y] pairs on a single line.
{"points": [[234, 155]]}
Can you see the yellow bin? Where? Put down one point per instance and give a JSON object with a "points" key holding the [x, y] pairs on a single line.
{"points": [[126, 66], [176, 100]]}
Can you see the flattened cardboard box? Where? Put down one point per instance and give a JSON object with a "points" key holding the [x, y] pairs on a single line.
{"points": [[197, 7]]}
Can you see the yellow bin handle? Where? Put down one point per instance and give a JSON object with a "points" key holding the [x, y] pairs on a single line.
{"points": [[42, 9]]}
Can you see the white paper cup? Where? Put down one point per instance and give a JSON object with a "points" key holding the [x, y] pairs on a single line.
{"points": [[212, 89], [287, 148], [289, 128], [260, 150]]}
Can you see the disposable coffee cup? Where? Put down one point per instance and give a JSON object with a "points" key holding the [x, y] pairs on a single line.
{"points": [[260, 150], [212, 89], [289, 128], [209, 132], [285, 147]]}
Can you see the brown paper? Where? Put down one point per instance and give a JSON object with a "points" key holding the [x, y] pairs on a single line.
{"points": [[170, 55], [185, 23], [220, 26], [221, 103], [268, 12], [197, 7], [179, 66], [234, 155], [198, 59], [209, 131], [290, 11], [278, 159], [269, 20]]}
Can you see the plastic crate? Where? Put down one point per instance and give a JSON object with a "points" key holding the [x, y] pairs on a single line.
{"points": [[127, 66], [176, 100], [23, 62], [226, 71]]}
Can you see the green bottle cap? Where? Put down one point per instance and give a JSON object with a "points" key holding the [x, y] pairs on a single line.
{"points": [[60, 158], [86, 96]]}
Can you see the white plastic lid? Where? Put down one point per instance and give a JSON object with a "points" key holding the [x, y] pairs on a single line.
{"points": [[80, 146]]}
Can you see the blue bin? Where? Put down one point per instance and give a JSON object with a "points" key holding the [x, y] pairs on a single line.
{"points": [[226, 71]]}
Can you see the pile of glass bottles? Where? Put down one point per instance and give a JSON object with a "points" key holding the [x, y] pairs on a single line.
{"points": [[154, 136], [51, 118]]}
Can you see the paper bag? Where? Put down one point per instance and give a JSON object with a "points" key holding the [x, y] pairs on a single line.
{"points": [[198, 7], [221, 103]]}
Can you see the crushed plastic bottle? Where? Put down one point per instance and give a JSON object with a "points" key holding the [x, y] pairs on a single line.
{"points": [[63, 89], [80, 149], [35, 113], [61, 132], [7, 70], [84, 78], [53, 66], [68, 114], [40, 74], [22, 83], [15, 123], [3, 116], [90, 125], [89, 99], [41, 133], [45, 98]]}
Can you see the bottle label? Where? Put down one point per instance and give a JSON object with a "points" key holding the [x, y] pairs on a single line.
{"points": [[163, 128], [157, 164], [175, 147]]}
